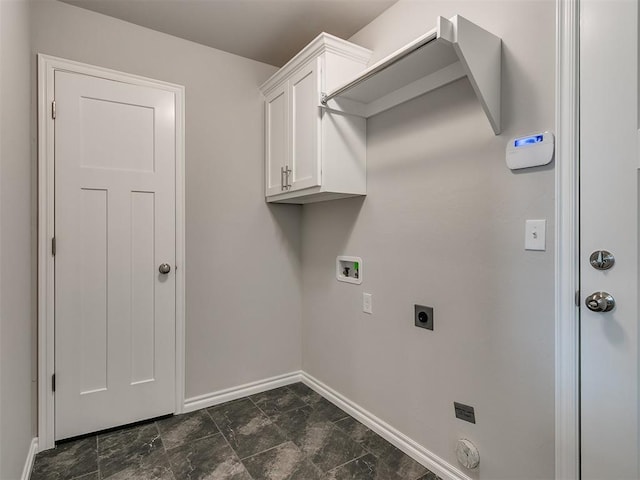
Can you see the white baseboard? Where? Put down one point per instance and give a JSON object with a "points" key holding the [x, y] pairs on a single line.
{"points": [[31, 456], [416, 451], [233, 393]]}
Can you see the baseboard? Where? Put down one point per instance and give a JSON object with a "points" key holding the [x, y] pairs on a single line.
{"points": [[416, 451], [233, 393], [31, 456]]}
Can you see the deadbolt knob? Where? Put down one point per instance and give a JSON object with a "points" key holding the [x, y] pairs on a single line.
{"points": [[602, 260], [600, 302], [164, 268]]}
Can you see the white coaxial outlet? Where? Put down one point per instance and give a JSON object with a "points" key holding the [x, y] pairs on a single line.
{"points": [[467, 454]]}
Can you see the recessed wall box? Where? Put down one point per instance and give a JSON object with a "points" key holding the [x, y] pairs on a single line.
{"points": [[349, 269], [530, 151]]}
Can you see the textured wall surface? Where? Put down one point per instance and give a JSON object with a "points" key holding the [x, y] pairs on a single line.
{"points": [[443, 225], [16, 312], [243, 257]]}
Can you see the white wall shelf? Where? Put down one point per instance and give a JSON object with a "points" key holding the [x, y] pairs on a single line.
{"points": [[454, 49]]}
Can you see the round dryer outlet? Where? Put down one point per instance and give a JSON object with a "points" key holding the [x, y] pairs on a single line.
{"points": [[467, 454]]}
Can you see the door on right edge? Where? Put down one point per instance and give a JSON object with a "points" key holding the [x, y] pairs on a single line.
{"points": [[609, 161]]}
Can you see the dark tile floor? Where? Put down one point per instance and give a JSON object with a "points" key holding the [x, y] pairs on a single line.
{"points": [[290, 433]]}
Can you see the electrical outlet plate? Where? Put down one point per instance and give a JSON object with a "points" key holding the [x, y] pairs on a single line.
{"points": [[367, 303], [349, 269], [464, 412], [535, 233], [423, 316]]}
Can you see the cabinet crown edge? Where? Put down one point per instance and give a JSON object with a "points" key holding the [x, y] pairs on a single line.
{"points": [[324, 42]]}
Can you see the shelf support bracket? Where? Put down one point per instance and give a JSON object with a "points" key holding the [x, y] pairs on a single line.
{"points": [[480, 54]]}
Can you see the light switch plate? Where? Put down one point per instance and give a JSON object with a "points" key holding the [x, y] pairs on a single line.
{"points": [[367, 303], [535, 235]]}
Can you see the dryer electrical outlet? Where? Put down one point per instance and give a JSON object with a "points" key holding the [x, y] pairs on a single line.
{"points": [[423, 316]]}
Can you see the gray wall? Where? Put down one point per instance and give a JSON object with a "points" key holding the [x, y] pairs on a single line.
{"points": [[243, 257], [16, 312], [443, 225]]}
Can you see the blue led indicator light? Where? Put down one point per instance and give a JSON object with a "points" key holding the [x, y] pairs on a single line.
{"points": [[521, 142]]}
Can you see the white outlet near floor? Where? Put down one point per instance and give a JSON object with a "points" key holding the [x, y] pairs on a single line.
{"points": [[367, 303]]}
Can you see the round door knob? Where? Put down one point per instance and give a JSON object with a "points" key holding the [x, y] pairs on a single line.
{"points": [[600, 302], [164, 268]]}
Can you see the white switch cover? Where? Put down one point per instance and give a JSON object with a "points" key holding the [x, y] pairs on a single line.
{"points": [[367, 306], [534, 235]]}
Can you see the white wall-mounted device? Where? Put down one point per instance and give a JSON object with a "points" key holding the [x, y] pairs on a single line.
{"points": [[349, 269], [530, 151]]}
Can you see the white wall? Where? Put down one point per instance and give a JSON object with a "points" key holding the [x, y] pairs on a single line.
{"points": [[16, 312], [243, 257], [443, 225]]}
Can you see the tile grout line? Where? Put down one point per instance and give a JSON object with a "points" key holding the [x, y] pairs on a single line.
{"points": [[157, 425], [347, 463], [285, 435], [270, 420], [311, 405], [98, 457], [269, 449], [224, 437], [237, 456], [166, 450]]}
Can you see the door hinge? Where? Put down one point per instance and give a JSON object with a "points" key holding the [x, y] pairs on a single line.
{"points": [[53, 109], [53, 382], [53, 246]]}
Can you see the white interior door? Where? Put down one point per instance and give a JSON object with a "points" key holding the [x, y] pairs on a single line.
{"points": [[609, 159], [114, 226]]}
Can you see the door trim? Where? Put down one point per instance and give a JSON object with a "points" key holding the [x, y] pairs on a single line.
{"points": [[567, 270], [47, 65]]}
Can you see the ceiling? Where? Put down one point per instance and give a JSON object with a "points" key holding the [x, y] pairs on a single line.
{"points": [[270, 31]]}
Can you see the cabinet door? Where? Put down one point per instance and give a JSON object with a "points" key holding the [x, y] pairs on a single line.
{"points": [[276, 139], [305, 160]]}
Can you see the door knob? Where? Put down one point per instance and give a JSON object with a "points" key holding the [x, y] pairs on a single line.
{"points": [[600, 302], [164, 268]]}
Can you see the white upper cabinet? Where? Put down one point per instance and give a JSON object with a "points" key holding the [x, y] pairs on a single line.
{"points": [[312, 154], [276, 108], [306, 127], [316, 106]]}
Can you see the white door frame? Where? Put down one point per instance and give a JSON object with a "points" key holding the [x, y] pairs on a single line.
{"points": [[47, 65], [567, 270]]}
